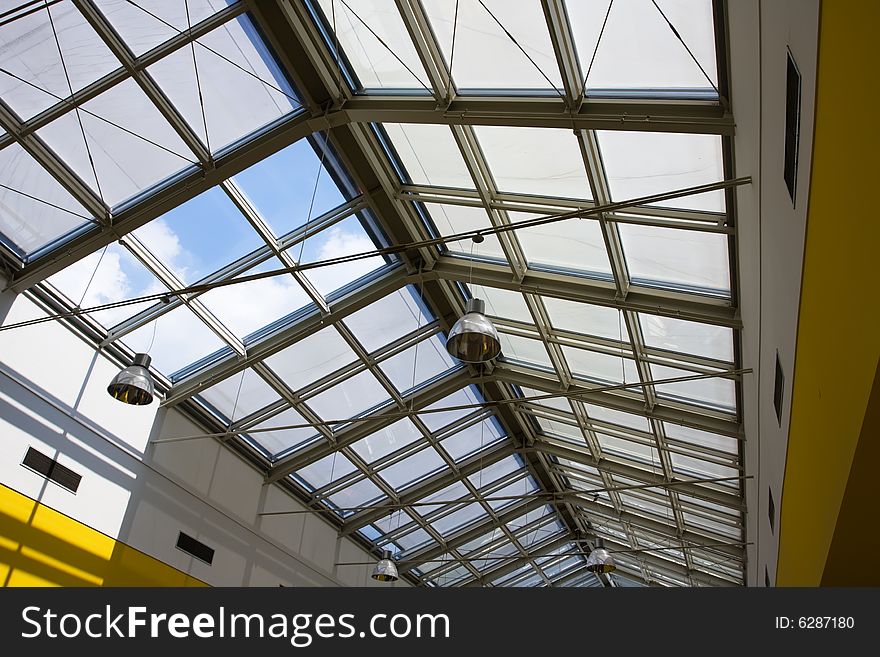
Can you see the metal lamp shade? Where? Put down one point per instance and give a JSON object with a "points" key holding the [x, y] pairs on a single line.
{"points": [[386, 569], [474, 339], [600, 560], [133, 385]]}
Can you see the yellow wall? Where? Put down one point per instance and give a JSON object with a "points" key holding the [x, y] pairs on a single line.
{"points": [[42, 547], [839, 324]]}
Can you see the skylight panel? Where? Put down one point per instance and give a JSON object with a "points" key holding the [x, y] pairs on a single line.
{"points": [[495, 471], [585, 318], [687, 337], [524, 350], [485, 57], [389, 318], [27, 224], [360, 493], [570, 246], [239, 395], [643, 163], [701, 438], [602, 367], [628, 449], [694, 467], [283, 440], [513, 490], [677, 259], [638, 50], [199, 237], [459, 519], [716, 392], [504, 304], [312, 358], [325, 471], [413, 468], [239, 88], [385, 441], [37, 63], [349, 398], [429, 154], [127, 140], [418, 364], [472, 439], [281, 186], [621, 418], [376, 43], [464, 397], [540, 161]]}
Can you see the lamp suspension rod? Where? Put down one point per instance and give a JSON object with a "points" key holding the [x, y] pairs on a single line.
{"points": [[393, 250]]}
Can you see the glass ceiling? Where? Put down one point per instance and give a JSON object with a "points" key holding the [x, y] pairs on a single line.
{"points": [[347, 395]]}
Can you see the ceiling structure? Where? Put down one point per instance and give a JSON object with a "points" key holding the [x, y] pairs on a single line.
{"points": [[159, 145]]}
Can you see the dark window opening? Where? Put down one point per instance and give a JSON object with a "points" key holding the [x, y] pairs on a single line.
{"points": [[792, 124], [195, 548], [771, 509], [778, 390]]}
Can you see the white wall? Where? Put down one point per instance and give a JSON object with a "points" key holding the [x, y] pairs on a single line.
{"points": [[771, 233], [53, 397]]}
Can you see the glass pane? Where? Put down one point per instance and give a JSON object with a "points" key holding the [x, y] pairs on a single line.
{"points": [[438, 420], [234, 304], [688, 337], [455, 491], [387, 440], [199, 237], [628, 449], [524, 350], [455, 219], [411, 469], [471, 439], [692, 467], [345, 238], [715, 392], [328, 469], [27, 224], [280, 187], [486, 57], [585, 318], [644, 163], [358, 494], [240, 395], [242, 87], [181, 338], [311, 358], [31, 53], [510, 494], [126, 161], [595, 366], [458, 519], [638, 50], [147, 23], [505, 304], [618, 417], [350, 398], [283, 440], [429, 154], [541, 161], [388, 319], [677, 259], [702, 438], [417, 364], [574, 245], [359, 29], [119, 277], [495, 471]]}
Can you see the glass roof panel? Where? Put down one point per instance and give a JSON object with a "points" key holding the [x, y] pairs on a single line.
{"points": [[328, 469], [417, 364], [677, 259], [688, 337], [147, 23], [621, 418], [311, 358], [233, 304], [283, 440], [628, 449], [495, 471], [638, 50], [458, 519], [413, 468], [455, 219], [240, 395], [360, 493], [573, 245], [454, 491], [644, 163], [716, 392], [585, 318], [181, 338], [342, 239], [692, 467], [596, 366], [485, 57], [702, 438], [513, 490], [350, 398], [129, 142], [119, 277], [429, 154], [280, 187], [559, 403], [239, 83], [361, 30], [31, 54], [199, 237], [388, 319], [387, 440], [27, 224], [501, 303], [540, 161], [524, 350], [471, 439], [440, 419]]}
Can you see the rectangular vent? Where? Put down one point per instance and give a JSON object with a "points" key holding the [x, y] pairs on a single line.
{"points": [[49, 468], [771, 510], [195, 548], [792, 124], [778, 390]]}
